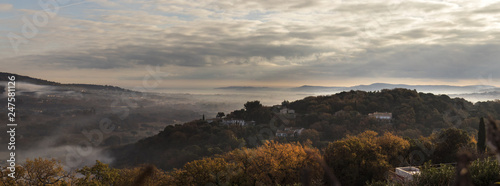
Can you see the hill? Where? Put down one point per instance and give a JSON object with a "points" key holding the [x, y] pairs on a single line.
{"points": [[36, 81], [436, 89], [324, 118]]}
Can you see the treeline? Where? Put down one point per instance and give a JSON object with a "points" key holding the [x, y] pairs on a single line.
{"points": [[413, 114], [364, 159]]}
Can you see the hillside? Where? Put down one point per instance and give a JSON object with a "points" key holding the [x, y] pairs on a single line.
{"points": [[325, 118], [36, 81], [53, 117]]}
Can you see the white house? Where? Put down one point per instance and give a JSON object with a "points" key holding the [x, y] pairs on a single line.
{"points": [[407, 172], [381, 115], [287, 111], [289, 132], [234, 122]]}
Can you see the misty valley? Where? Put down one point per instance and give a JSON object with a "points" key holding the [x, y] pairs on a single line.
{"points": [[87, 127]]}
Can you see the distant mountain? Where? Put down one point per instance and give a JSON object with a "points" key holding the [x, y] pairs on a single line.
{"points": [[245, 88], [309, 88], [36, 81], [437, 89]]}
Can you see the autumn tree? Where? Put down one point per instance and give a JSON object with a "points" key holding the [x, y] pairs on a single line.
{"points": [[6, 180], [358, 159], [41, 171], [99, 174], [270, 164], [394, 147], [207, 170]]}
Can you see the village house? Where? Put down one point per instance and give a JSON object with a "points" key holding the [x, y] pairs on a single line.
{"points": [[234, 122], [289, 132], [403, 174], [287, 111], [381, 115]]}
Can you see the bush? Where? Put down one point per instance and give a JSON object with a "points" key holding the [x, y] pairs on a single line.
{"points": [[483, 172], [431, 175]]}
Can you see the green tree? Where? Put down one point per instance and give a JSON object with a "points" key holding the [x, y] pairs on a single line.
{"points": [[481, 137], [309, 134], [431, 175], [448, 142], [483, 173]]}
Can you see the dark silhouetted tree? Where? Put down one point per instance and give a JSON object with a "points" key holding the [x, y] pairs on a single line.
{"points": [[251, 106], [220, 115], [481, 137]]}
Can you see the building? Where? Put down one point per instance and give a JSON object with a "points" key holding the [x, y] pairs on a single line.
{"points": [[381, 115], [234, 122], [287, 111], [289, 132], [405, 174]]}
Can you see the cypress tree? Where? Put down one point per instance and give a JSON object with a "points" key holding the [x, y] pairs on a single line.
{"points": [[481, 137]]}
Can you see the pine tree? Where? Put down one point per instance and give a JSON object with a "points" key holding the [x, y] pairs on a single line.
{"points": [[481, 137]]}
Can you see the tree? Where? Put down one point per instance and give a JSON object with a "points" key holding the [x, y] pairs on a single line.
{"points": [[270, 164], [394, 147], [357, 159], [448, 142], [483, 172], [220, 115], [6, 180], [481, 137], [143, 175], [41, 171], [276, 164], [204, 171], [251, 106], [99, 174], [285, 103], [309, 134]]}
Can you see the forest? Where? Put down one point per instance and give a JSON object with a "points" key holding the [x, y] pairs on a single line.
{"points": [[340, 144]]}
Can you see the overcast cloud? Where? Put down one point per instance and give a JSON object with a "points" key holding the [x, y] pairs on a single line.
{"points": [[257, 42]]}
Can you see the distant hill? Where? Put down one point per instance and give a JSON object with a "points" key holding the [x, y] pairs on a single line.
{"points": [[436, 89], [36, 81], [244, 88]]}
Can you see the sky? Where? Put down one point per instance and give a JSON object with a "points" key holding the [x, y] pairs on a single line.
{"points": [[278, 43]]}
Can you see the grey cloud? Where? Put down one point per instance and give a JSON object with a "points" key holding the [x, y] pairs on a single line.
{"points": [[443, 62], [204, 54], [428, 61], [490, 9]]}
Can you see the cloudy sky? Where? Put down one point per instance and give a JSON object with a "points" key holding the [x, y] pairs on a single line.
{"points": [[210, 43]]}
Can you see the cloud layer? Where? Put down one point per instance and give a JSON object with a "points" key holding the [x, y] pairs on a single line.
{"points": [[263, 41]]}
